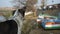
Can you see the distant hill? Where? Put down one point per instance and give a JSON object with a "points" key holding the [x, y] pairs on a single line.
{"points": [[7, 8]]}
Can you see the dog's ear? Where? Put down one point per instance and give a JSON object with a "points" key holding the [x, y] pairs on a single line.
{"points": [[24, 7]]}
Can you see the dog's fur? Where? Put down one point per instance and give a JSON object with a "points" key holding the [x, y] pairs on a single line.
{"points": [[10, 26], [22, 11]]}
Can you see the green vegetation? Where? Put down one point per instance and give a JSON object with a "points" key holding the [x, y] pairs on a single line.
{"points": [[6, 13], [29, 25]]}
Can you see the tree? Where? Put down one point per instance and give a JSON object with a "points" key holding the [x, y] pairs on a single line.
{"points": [[30, 6], [28, 3], [19, 3]]}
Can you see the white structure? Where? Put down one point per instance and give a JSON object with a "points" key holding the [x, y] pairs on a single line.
{"points": [[50, 6], [47, 2]]}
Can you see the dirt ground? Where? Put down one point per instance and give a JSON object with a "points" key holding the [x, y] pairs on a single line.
{"points": [[30, 27]]}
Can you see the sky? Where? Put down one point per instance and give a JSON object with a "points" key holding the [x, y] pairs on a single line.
{"points": [[49, 2], [7, 3]]}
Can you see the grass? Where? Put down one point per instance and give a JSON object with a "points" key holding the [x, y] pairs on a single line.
{"points": [[28, 22], [28, 25], [6, 13]]}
